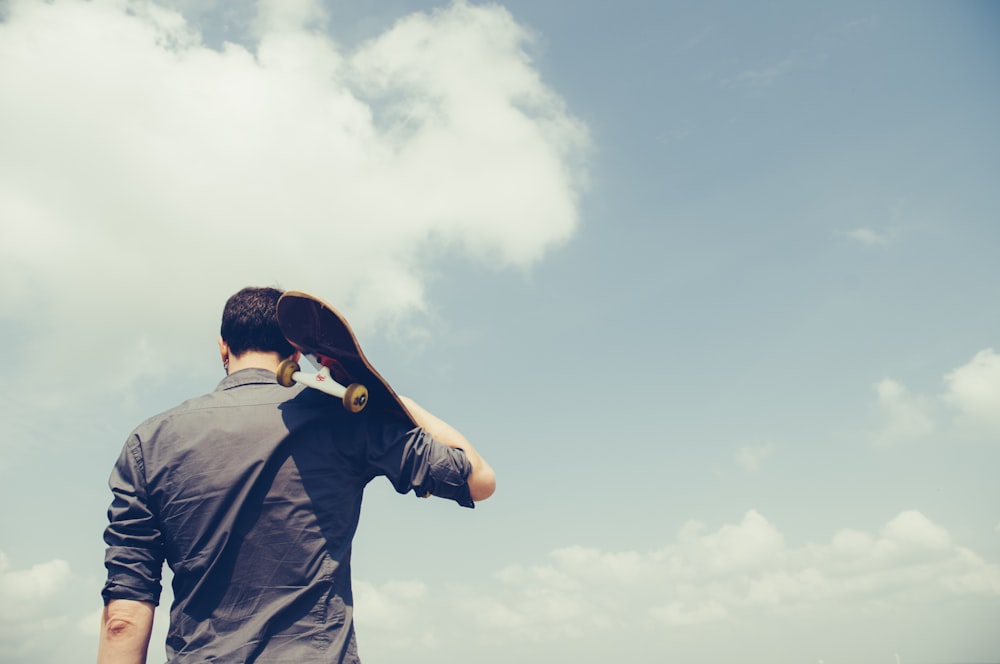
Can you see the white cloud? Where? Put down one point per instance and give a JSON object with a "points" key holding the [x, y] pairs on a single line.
{"points": [[34, 620], [739, 573], [392, 610], [914, 531], [752, 457], [973, 390], [752, 544], [738, 576], [677, 614], [21, 590], [906, 416], [90, 625], [712, 576], [968, 409], [871, 238], [144, 177]]}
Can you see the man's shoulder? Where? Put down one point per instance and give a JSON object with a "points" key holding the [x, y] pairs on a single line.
{"points": [[223, 394], [155, 422], [249, 393]]}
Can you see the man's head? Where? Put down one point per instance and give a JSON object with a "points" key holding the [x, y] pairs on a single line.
{"points": [[250, 323]]}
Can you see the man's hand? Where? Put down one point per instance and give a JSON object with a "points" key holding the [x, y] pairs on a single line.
{"points": [[125, 629]]}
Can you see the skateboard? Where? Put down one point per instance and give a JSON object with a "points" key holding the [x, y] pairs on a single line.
{"points": [[322, 335]]}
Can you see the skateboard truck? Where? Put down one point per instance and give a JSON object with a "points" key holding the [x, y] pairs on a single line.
{"points": [[354, 396]]}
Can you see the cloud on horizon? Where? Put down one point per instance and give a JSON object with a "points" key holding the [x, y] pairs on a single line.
{"points": [[741, 572]]}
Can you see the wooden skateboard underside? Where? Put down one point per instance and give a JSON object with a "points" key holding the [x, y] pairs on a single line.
{"points": [[321, 333]]}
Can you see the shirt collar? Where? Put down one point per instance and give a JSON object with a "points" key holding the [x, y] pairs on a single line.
{"points": [[252, 376]]}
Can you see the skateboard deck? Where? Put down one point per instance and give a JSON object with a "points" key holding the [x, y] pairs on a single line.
{"points": [[322, 334]]}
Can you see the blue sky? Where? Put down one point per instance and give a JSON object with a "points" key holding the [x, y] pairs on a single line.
{"points": [[712, 287]]}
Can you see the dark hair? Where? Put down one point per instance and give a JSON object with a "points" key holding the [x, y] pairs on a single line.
{"points": [[250, 322]]}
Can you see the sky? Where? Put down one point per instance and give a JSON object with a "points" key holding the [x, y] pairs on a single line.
{"points": [[713, 287]]}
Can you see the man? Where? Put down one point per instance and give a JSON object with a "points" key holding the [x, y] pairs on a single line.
{"points": [[252, 495]]}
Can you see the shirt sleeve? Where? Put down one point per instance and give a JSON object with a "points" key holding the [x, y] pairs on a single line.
{"points": [[134, 557], [413, 460]]}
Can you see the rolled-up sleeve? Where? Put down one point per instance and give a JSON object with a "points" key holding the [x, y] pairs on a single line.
{"points": [[134, 557], [413, 460]]}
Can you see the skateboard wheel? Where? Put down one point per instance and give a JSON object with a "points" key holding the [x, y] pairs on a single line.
{"points": [[355, 398], [285, 371]]}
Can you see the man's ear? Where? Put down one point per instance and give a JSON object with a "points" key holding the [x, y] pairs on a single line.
{"points": [[224, 351]]}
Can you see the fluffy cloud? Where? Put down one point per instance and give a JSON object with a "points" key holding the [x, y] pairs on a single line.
{"points": [[973, 390], [394, 609], [23, 589], [871, 238], [739, 573], [393, 618], [906, 416], [752, 457], [34, 624], [966, 409], [678, 614], [145, 176]]}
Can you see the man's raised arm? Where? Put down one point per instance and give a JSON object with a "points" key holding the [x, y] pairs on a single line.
{"points": [[482, 480]]}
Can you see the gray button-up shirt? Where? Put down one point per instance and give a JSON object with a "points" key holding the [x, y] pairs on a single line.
{"points": [[252, 495]]}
